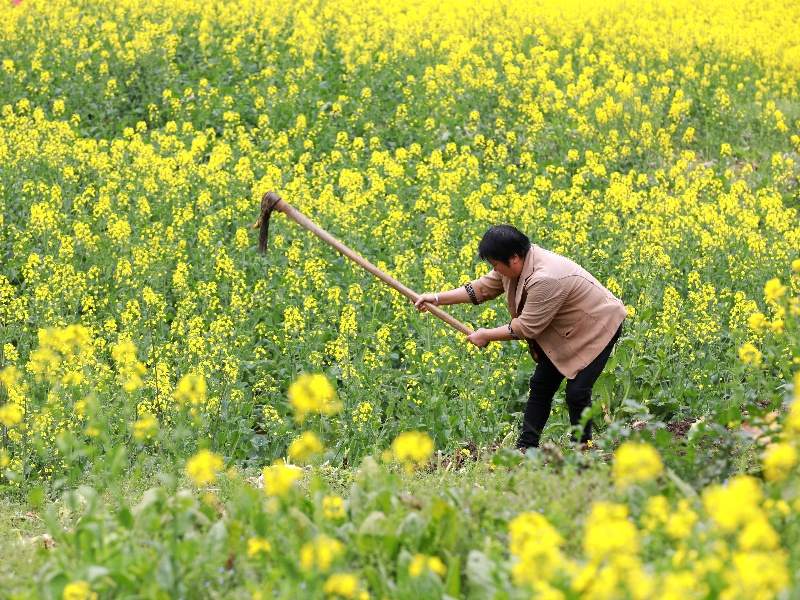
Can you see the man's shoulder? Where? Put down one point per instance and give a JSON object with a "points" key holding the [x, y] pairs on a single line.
{"points": [[551, 265]]}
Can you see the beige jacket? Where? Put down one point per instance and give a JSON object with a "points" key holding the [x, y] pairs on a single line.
{"points": [[556, 302]]}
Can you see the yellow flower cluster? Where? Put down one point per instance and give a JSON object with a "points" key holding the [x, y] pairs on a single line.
{"points": [[191, 390], [145, 427], [304, 447], [412, 449], [344, 585], [280, 478], [11, 414], [62, 350], [319, 554], [203, 467], [312, 393], [78, 590], [536, 546], [130, 369], [421, 563], [257, 546], [333, 507], [636, 463]]}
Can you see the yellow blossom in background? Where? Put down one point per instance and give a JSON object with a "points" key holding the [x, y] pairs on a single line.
{"points": [[774, 290], [412, 449], [421, 563], [609, 532], [796, 265], [758, 534], [11, 414], [258, 545], [304, 447], [735, 503], [191, 389], [60, 348], [203, 467], [280, 478], [756, 575], [681, 521], [636, 463], [656, 512], [749, 354], [757, 322], [9, 376], [312, 393], [796, 386], [145, 427], [78, 590], [333, 507], [344, 585], [536, 545], [776, 326], [779, 460], [130, 369], [320, 553]]}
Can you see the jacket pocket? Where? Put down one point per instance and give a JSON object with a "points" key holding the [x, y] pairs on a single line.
{"points": [[583, 323]]}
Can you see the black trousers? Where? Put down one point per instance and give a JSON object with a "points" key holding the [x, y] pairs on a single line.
{"points": [[545, 382]]}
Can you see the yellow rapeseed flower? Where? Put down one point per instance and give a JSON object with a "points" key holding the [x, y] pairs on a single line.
{"points": [[536, 545], [422, 562], [773, 290], [280, 477], [636, 463], [779, 460], [412, 448], [749, 354], [333, 507], [203, 467], [609, 533], [191, 389], [735, 503], [145, 427], [9, 376], [312, 393], [258, 545], [756, 575], [320, 553], [304, 447], [344, 585], [130, 369], [11, 414], [758, 534], [78, 590], [681, 521], [757, 321]]}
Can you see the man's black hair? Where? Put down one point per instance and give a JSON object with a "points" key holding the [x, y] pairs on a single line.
{"points": [[501, 242]]}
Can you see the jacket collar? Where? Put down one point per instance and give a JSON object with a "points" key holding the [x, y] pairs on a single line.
{"points": [[518, 285]]}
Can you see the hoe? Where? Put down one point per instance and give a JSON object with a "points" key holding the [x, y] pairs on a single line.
{"points": [[272, 201]]}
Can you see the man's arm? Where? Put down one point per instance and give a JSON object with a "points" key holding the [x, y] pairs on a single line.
{"points": [[485, 288], [498, 334]]}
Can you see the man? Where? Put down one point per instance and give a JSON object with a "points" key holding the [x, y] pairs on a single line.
{"points": [[568, 318]]}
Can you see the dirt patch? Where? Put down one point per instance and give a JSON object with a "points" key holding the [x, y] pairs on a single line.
{"points": [[679, 429]]}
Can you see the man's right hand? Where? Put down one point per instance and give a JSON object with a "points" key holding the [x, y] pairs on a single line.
{"points": [[423, 298]]}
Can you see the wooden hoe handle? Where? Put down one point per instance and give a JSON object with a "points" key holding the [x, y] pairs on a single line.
{"points": [[271, 201]]}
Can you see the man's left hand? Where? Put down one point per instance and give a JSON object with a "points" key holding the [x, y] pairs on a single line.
{"points": [[479, 338]]}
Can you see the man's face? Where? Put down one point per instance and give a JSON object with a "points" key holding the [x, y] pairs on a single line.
{"points": [[512, 269]]}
